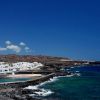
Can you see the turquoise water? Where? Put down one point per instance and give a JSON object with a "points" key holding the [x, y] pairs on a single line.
{"points": [[13, 79], [84, 87]]}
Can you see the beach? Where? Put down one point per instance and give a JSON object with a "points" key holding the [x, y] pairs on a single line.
{"points": [[24, 75]]}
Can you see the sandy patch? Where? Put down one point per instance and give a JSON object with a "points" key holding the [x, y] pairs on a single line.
{"points": [[24, 75]]}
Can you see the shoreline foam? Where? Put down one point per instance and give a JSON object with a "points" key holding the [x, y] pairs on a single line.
{"points": [[44, 92]]}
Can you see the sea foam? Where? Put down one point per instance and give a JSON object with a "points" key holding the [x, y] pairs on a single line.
{"points": [[41, 92]]}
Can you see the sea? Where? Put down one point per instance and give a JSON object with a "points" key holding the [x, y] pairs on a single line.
{"points": [[83, 85], [4, 80]]}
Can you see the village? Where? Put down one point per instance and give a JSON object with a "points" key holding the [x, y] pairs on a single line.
{"points": [[19, 66], [18, 72]]}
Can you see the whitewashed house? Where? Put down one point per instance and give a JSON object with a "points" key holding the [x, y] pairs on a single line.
{"points": [[19, 66]]}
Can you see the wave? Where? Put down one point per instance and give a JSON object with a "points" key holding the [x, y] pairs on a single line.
{"points": [[31, 87], [66, 76], [46, 82], [56, 78], [49, 81], [41, 92]]}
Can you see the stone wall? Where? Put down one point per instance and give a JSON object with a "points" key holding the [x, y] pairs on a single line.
{"points": [[27, 83]]}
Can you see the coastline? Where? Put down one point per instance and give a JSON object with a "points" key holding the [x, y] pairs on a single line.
{"points": [[8, 89], [14, 90]]}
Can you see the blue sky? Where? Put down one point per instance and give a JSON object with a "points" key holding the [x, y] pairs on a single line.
{"points": [[69, 28]]}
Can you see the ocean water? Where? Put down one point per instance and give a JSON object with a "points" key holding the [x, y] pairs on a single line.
{"points": [[13, 79], [83, 87]]}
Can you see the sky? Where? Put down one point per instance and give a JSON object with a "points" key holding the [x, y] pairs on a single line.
{"points": [[68, 28]]}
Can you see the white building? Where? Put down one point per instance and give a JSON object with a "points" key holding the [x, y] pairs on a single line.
{"points": [[19, 66]]}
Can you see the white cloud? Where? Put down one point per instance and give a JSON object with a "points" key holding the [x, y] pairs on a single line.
{"points": [[15, 48], [3, 49], [22, 44], [27, 49], [8, 43]]}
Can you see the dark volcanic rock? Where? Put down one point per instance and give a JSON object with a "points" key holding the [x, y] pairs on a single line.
{"points": [[5, 98], [27, 91]]}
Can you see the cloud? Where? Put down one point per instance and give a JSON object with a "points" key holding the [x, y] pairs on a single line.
{"points": [[15, 48], [27, 49], [8, 42], [3, 49], [22, 44]]}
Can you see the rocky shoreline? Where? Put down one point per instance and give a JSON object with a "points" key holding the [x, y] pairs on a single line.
{"points": [[15, 91], [52, 67]]}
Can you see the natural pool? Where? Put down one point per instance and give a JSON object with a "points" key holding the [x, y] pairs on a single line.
{"points": [[2, 80]]}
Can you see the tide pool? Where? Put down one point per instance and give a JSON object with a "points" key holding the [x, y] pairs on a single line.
{"points": [[13, 79]]}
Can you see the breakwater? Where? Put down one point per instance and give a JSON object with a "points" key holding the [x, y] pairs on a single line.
{"points": [[22, 84]]}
